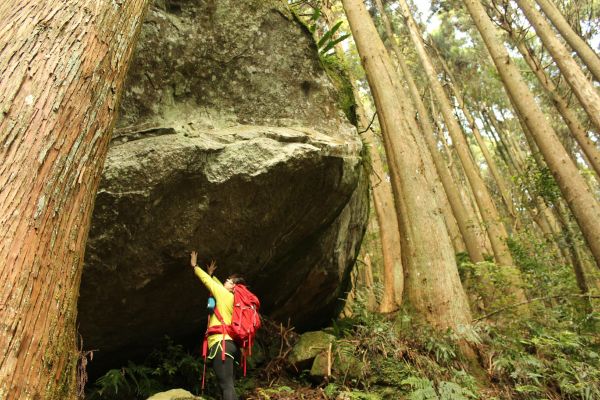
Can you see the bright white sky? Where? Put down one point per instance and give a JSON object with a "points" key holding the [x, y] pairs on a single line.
{"points": [[424, 7]]}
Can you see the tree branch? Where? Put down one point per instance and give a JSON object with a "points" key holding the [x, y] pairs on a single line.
{"points": [[531, 301]]}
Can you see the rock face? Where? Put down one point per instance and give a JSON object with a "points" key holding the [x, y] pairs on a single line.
{"points": [[230, 141]]}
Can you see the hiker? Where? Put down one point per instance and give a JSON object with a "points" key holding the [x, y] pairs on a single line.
{"points": [[223, 365]]}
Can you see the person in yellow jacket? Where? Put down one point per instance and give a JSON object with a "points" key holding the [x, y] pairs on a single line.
{"points": [[223, 294]]}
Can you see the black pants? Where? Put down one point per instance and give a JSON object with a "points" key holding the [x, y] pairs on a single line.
{"points": [[225, 369]]}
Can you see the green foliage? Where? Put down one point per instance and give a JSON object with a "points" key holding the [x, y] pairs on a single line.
{"points": [[425, 389], [165, 368], [489, 286], [546, 362], [328, 40], [538, 182]]}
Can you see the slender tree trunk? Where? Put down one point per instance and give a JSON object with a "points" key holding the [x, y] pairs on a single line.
{"points": [[561, 224], [501, 147], [588, 147], [590, 151], [498, 178], [62, 66], [389, 233], [475, 222], [458, 210], [496, 230], [576, 257], [505, 138], [585, 52], [383, 200], [432, 283], [583, 89], [368, 282], [573, 187]]}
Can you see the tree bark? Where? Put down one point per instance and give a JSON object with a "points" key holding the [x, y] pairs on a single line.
{"points": [[458, 210], [498, 178], [432, 283], [496, 230], [561, 223], [62, 66], [573, 187], [590, 151], [505, 138], [588, 147], [389, 233], [583, 89], [383, 200], [585, 52]]}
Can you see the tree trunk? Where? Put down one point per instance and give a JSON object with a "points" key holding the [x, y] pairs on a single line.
{"points": [[501, 148], [505, 137], [458, 210], [62, 66], [573, 187], [496, 230], [585, 52], [498, 178], [475, 222], [383, 200], [432, 283], [583, 89], [561, 224], [588, 147], [389, 233], [368, 283]]}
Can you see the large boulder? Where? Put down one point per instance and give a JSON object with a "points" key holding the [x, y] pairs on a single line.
{"points": [[231, 141]]}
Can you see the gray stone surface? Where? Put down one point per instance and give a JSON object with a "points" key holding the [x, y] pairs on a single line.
{"points": [[230, 142], [174, 394]]}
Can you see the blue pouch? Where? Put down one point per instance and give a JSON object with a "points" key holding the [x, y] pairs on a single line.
{"points": [[211, 304]]}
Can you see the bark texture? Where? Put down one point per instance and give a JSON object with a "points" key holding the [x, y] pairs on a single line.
{"points": [[62, 66], [588, 56], [573, 187], [464, 221], [496, 230], [583, 89], [432, 283], [568, 115], [383, 200]]}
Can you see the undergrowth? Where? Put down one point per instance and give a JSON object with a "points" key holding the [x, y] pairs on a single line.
{"points": [[546, 349]]}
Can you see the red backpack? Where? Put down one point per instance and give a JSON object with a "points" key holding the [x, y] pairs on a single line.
{"points": [[245, 321]]}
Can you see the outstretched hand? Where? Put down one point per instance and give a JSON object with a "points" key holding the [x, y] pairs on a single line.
{"points": [[194, 258], [211, 268]]}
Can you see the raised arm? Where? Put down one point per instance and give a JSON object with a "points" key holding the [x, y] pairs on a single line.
{"points": [[212, 284]]}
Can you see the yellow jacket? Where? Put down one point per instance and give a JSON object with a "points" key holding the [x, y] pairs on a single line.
{"points": [[224, 300]]}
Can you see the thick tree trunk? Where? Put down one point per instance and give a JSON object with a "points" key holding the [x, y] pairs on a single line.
{"points": [[496, 230], [383, 200], [62, 66], [573, 187], [583, 89], [432, 283], [459, 212], [585, 52]]}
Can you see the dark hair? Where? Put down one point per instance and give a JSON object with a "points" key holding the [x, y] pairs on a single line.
{"points": [[237, 279]]}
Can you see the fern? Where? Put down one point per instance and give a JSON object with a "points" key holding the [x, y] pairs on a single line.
{"points": [[453, 391]]}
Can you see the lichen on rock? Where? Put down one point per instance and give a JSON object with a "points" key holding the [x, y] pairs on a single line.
{"points": [[230, 141]]}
